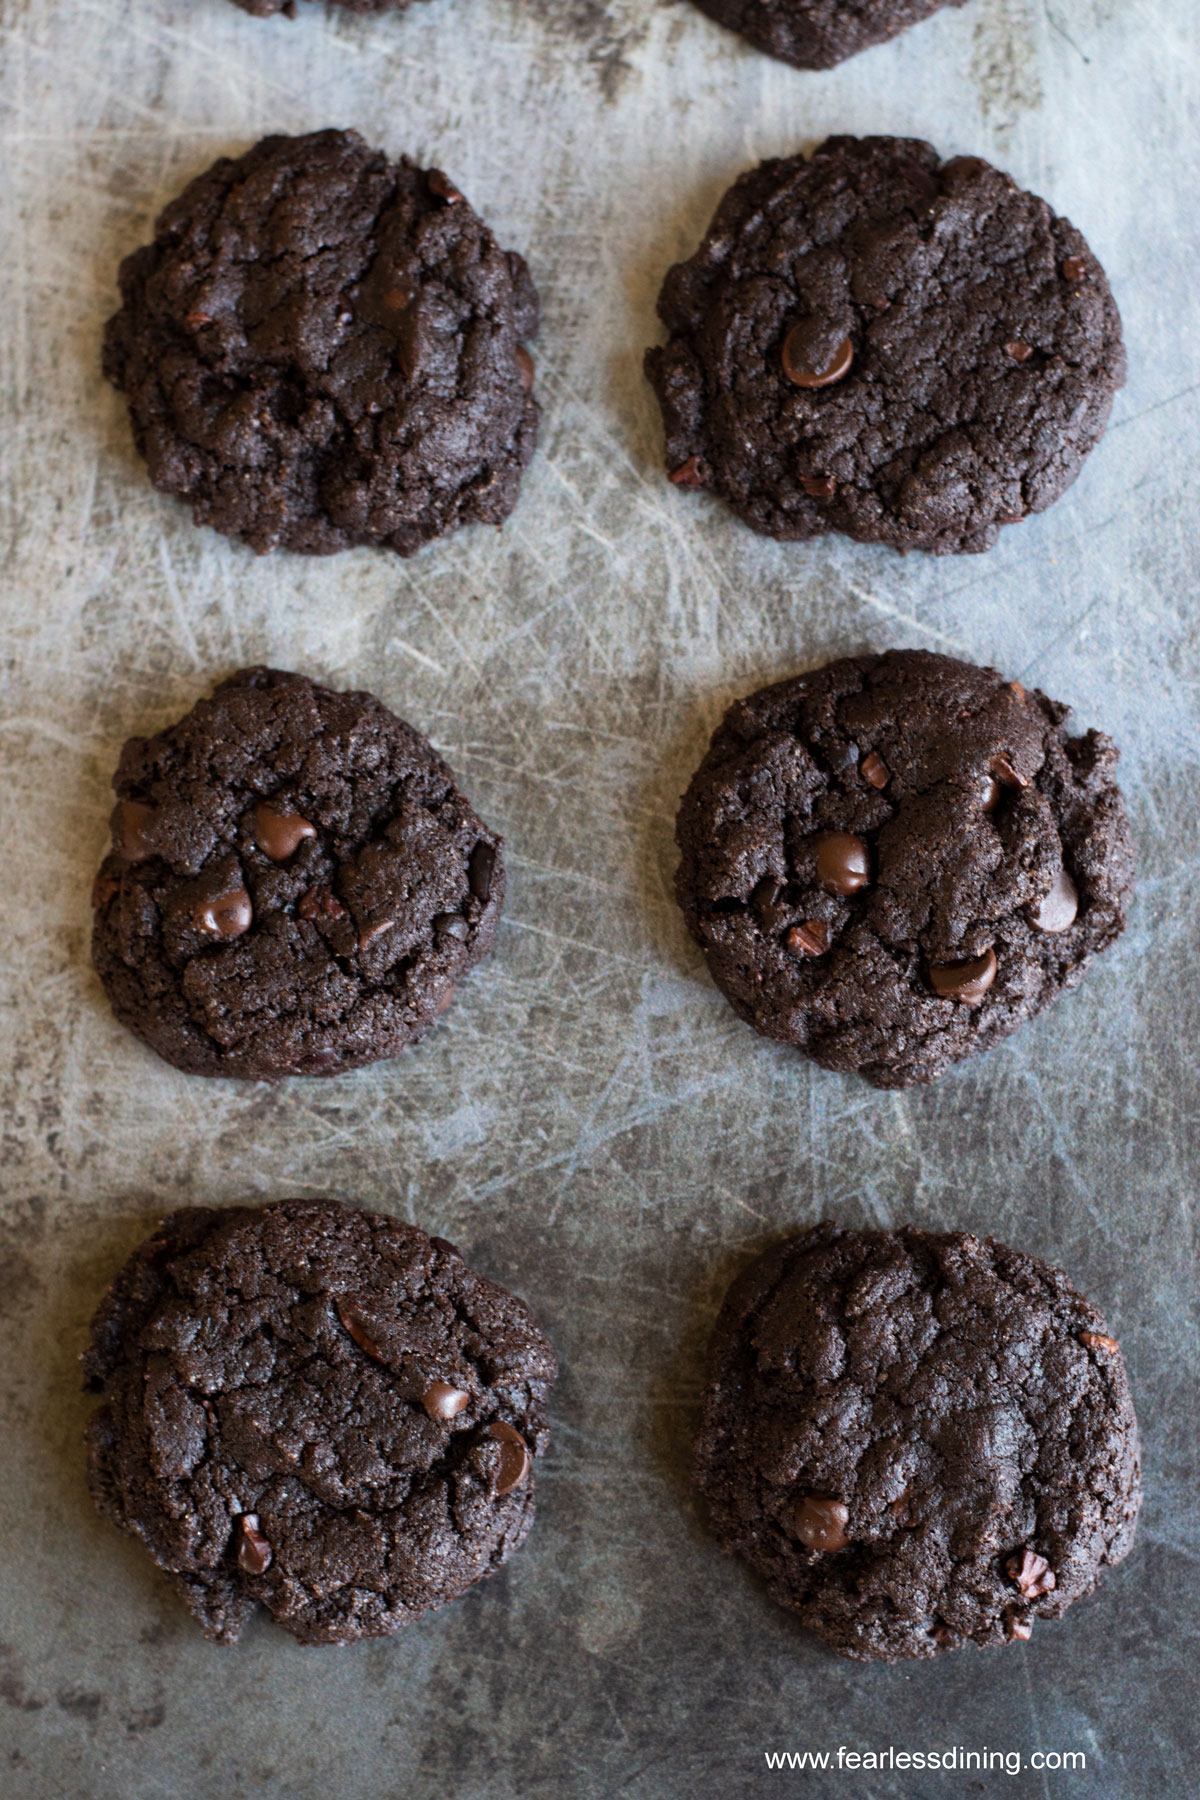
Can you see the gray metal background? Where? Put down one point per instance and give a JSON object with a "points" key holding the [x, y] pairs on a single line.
{"points": [[590, 1122]]}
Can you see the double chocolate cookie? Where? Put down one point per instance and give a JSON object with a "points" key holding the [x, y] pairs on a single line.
{"points": [[892, 862], [316, 1410], [295, 884], [876, 342], [809, 34], [321, 348], [919, 1440]]}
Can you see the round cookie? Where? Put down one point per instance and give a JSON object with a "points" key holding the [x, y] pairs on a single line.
{"points": [[895, 860], [317, 1410], [295, 884], [321, 348], [876, 342], [918, 1439], [813, 34]]}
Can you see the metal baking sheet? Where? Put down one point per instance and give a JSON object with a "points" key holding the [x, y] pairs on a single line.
{"points": [[590, 1122]]}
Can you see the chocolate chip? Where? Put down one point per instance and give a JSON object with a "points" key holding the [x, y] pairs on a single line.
{"points": [[445, 1246], [1018, 351], [1098, 1340], [819, 487], [105, 888], [767, 893], [524, 367], [320, 903], [1006, 772], [966, 982], [196, 321], [989, 793], [693, 473], [1056, 910], [279, 834], [396, 299], [797, 358], [941, 1633], [1031, 1572], [875, 770], [370, 932], [1017, 691], [225, 915], [820, 1524], [810, 939], [132, 827], [254, 1553], [480, 870], [514, 1456], [442, 1401], [358, 1331], [1074, 268], [451, 925], [1015, 1627], [444, 188], [843, 862]]}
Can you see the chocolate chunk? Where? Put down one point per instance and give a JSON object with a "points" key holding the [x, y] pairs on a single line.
{"points": [[1017, 692], [196, 321], [369, 933], [442, 1401], [132, 825], [989, 793], [1006, 772], [253, 1551], [225, 915], [810, 939], [444, 188], [819, 487], [445, 1246], [106, 887], [798, 357], [452, 925], [821, 1524], [1018, 351], [1099, 1340], [966, 982], [279, 834], [843, 862], [1031, 1572], [479, 870], [693, 474], [514, 1456], [875, 770], [1057, 909], [320, 903], [525, 369], [1074, 268], [1017, 1628], [358, 1331]]}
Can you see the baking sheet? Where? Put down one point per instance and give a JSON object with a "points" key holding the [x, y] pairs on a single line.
{"points": [[590, 1122]]}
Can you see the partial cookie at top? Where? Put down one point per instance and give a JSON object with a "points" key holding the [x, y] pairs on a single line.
{"points": [[315, 1410], [321, 349], [295, 886], [919, 1440], [894, 861], [876, 342], [264, 9], [817, 34]]}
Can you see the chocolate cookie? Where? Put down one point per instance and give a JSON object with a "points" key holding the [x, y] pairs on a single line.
{"points": [[317, 1410], [877, 342], [264, 9], [810, 34], [893, 861], [321, 348], [295, 885], [918, 1439]]}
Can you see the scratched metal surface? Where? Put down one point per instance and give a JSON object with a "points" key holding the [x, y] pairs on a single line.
{"points": [[590, 1122]]}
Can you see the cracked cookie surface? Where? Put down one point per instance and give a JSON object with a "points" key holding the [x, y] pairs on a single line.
{"points": [[918, 1440], [316, 1410], [816, 34], [894, 861], [876, 342], [295, 885], [321, 349]]}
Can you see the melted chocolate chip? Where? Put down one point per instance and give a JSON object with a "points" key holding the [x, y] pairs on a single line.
{"points": [[1057, 910], [358, 1331], [843, 862], [225, 915], [480, 870], [279, 834], [966, 982], [1031, 1572], [514, 1456], [442, 1401], [693, 473], [132, 826], [810, 939], [875, 770], [820, 1524], [254, 1553], [798, 357]]}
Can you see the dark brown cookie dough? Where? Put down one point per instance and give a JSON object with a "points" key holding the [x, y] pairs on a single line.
{"points": [[879, 343], [321, 348], [814, 34], [317, 1410], [895, 860], [295, 887], [917, 1439]]}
